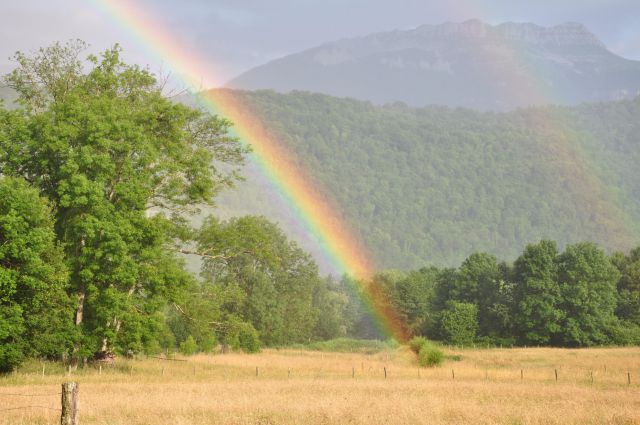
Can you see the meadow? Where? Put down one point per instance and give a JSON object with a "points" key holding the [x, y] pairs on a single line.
{"points": [[298, 386]]}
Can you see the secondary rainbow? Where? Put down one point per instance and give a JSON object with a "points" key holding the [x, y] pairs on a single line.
{"points": [[344, 252], [511, 67]]}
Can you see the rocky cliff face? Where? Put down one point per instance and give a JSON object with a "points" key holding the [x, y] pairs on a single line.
{"points": [[471, 64]]}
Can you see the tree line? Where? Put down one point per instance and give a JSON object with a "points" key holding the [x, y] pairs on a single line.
{"points": [[580, 297]]}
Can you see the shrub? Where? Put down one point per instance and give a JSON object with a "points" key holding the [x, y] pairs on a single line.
{"points": [[624, 333], [417, 342], [430, 355], [248, 339], [188, 347], [208, 343], [459, 323], [241, 335]]}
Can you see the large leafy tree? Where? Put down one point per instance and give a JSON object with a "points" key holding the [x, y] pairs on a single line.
{"points": [[628, 286], [459, 323], [411, 297], [35, 312], [115, 157], [537, 294], [277, 279], [480, 281], [587, 281]]}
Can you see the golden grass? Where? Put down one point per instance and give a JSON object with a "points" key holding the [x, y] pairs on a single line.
{"points": [[303, 387]]}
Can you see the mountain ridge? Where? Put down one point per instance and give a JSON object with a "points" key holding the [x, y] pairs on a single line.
{"points": [[469, 64]]}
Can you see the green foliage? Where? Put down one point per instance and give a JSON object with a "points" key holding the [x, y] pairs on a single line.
{"points": [[587, 282], [624, 333], [107, 148], [628, 286], [188, 347], [432, 185], [35, 312], [417, 342], [208, 343], [240, 335], [248, 339], [537, 294], [574, 298], [430, 355], [411, 293], [276, 279], [459, 323], [331, 303]]}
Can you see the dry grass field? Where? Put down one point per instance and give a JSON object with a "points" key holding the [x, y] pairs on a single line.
{"points": [[492, 386]]}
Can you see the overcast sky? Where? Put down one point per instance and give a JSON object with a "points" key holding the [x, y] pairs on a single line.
{"points": [[236, 35]]}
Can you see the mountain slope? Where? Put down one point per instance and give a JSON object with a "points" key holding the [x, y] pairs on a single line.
{"points": [[432, 185], [469, 64]]}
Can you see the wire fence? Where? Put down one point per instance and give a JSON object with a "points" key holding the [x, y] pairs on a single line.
{"points": [[30, 406], [462, 374], [30, 395]]}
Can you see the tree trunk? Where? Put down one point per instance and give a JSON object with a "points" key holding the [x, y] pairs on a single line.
{"points": [[78, 321], [80, 309]]}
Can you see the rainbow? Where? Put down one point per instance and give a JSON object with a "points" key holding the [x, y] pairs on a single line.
{"points": [[579, 171], [315, 212], [304, 199]]}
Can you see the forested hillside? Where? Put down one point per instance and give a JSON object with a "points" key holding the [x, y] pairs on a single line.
{"points": [[432, 185]]}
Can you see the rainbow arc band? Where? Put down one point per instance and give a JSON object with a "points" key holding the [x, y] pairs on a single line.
{"points": [[343, 251]]}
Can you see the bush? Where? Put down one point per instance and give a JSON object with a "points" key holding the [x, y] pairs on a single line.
{"points": [[241, 336], [188, 347], [430, 355], [248, 339], [459, 323], [208, 343], [624, 333], [417, 342]]}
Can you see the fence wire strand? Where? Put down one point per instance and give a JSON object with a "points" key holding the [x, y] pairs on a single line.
{"points": [[30, 395], [31, 407]]}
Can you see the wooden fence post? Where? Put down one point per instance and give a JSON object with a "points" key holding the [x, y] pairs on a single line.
{"points": [[70, 404]]}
